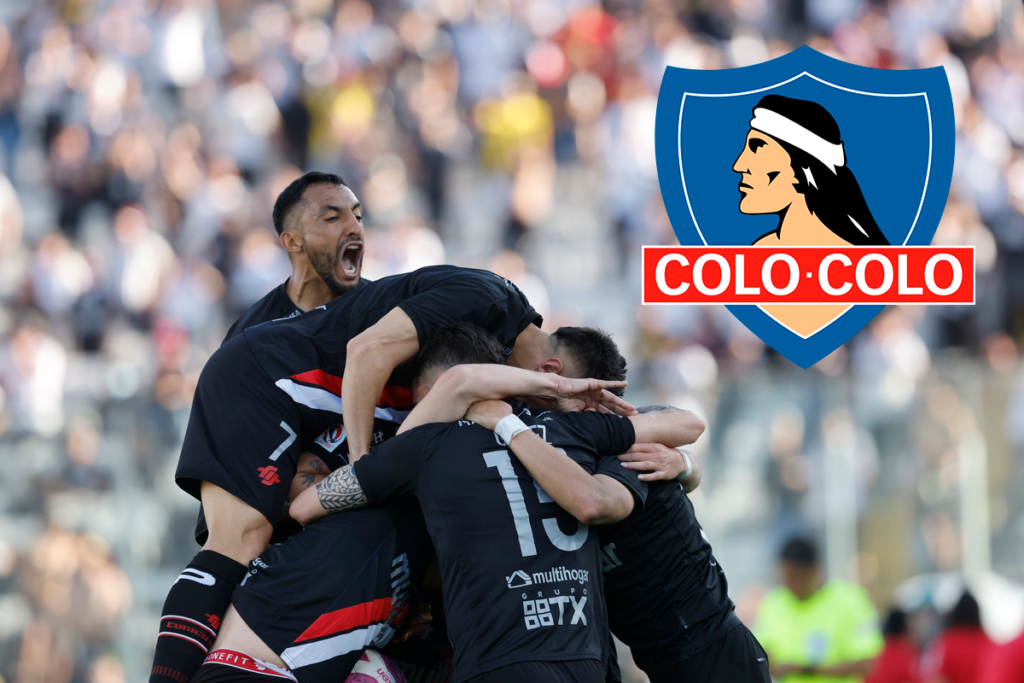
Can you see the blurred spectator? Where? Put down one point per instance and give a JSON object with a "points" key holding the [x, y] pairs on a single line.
{"points": [[958, 654], [898, 662], [816, 632], [81, 473]]}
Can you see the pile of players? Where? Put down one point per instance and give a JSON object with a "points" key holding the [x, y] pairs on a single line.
{"points": [[514, 510]]}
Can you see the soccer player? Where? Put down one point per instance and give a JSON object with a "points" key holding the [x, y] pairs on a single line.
{"points": [[312, 604], [268, 393], [510, 557], [319, 222], [667, 597]]}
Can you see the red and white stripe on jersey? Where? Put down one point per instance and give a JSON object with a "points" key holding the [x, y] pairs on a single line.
{"points": [[322, 391], [240, 660], [337, 633]]}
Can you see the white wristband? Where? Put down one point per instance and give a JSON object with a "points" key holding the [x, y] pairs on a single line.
{"points": [[689, 466], [508, 427]]}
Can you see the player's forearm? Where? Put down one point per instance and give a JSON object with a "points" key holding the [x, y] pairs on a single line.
{"points": [[463, 385], [338, 492], [666, 425], [370, 358], [366, 374], [569, 485]]}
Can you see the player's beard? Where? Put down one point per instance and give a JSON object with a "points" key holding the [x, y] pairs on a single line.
{"points": [[325, 266]]}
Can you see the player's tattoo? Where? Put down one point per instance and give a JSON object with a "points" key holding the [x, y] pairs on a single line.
{"points": [[306, 480], [340, 491], [656, 408], [317, 465]]}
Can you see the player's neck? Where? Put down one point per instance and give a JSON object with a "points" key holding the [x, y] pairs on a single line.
{"points": [[799, 226], [306, 289]]}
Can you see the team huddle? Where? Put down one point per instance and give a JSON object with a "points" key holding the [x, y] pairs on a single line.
{"points": [[489, 510]]}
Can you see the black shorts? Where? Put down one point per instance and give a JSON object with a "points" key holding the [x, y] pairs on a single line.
{"points": [[231, 666], [339, 586], [244, 433], [736, 657], [575, 671]]}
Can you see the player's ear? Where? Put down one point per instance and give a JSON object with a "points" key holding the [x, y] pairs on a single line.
{"points": [[291, 240], [551, 365]]}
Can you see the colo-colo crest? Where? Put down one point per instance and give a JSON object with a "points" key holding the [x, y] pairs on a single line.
{"points": [[805, 193]]}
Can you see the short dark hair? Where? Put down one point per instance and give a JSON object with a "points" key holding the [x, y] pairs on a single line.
{"points": [[292, 194], [458, 344], [800, 551], [595, 352]]}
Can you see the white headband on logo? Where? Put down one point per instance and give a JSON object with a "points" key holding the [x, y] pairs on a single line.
{"points": [[779, 127]]}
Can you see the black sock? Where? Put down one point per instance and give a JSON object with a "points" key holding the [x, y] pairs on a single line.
{"points": [[191, 616]]}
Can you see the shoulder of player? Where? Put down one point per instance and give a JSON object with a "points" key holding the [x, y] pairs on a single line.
{"points": [[265, 309], [433, 431]]}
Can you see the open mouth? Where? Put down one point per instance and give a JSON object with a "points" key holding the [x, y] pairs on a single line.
{"points": [[744, 185], [351, 258]]}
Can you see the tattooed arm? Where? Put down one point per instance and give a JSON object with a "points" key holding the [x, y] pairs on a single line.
{"points": [[666, 425], [336, 493], [309, 470], [390, 472]]}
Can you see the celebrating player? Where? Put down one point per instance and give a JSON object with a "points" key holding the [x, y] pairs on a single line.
{"points": [[271, 391], [313, 603], [319, 222], [542, 593], [668, 598]]}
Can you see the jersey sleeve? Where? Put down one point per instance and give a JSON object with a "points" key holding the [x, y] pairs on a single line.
{"points": [[392, 469], [610, 466], [448, 295], [609, 434]]}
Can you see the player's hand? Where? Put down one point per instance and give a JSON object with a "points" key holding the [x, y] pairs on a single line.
{"points": [[657, 462], [573, 395], [488, 413]]}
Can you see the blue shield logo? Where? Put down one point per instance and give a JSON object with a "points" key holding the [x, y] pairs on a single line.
{"points": [[745, 154]]}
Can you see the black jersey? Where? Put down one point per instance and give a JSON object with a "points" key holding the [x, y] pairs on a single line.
{"points": [[306, 355], [273, 390], [521, 577], [667, 597], [276, 305]]}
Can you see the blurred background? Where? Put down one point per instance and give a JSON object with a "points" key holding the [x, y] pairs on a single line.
{"points": [[143, 142]]}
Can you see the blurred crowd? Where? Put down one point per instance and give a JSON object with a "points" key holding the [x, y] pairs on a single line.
{"points": [[143, 142]]}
